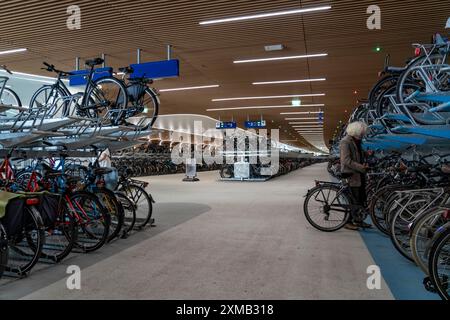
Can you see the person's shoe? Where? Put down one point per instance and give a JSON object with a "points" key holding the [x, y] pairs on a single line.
{"points": [[351, 226], [364, 225]]}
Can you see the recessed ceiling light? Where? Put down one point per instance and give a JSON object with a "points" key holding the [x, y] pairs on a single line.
{"points": [[289, 81], [258, 107], [265, 15], [189, 88], [318, 55], [270, 97], [13, 51]]}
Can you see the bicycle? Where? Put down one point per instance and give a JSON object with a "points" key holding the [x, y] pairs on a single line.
{"points": [[141, 97], [142, 201], [102, 97], [8, 97], [333, 204]]}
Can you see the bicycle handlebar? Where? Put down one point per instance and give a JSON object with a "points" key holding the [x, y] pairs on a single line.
{"points": [[5, 68], [51, 68]]}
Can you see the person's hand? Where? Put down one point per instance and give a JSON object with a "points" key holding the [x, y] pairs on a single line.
{"points": [[366, 166], [370, 152]]}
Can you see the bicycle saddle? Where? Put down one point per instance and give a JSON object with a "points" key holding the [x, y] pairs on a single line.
{"points": [[49, 172], [126, 70], [395, 70], [102, 171], [94, 62]]}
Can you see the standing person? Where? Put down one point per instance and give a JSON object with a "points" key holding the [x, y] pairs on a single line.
{"points": [[111, 179], [105, 159], [352, 162]]}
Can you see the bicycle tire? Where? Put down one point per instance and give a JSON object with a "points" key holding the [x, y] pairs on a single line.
{"points": [[307, 213], [143, 204], [34, 243], [86, 240], [436, 251], [114, 208], [35, 104], [99, 104], [3, 250], [129, 213], [421, 230], [65, 228]]}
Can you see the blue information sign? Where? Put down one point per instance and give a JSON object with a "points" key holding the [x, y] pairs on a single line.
{"points": [[226, 125], [255, 124]]}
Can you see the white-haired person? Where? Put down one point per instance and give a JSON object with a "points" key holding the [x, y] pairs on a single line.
{"points": [[353, 163]]}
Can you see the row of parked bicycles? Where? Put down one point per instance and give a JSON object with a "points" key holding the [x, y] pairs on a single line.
{"points": [[408, 185], [50, 208], [150, 159], [51, 202], [286, 165]]}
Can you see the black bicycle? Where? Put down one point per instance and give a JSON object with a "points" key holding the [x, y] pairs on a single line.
{"points": [[328, 206], [142, 98], [104, 97]]}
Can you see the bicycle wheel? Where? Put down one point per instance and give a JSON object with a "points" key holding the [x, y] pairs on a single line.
{"points": [[9, 97], [143, 204], [3, 250], [422, 235], [227, 171], [25, 247], [129, 212], [418, 74], [439, 265], [61, 237], [400, 224], [114, 208], [326, 207], [50, 96], [108, 98], [376, 206], [92, 221], [147, 105]]}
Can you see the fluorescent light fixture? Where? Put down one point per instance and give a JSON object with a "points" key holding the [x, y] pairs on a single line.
{"points": [[291, 123], [13, 51], [270, 97], [189, 88], [256, 107], [289, 81], [265, 15], [307, 127], [300, 112], [289, 119], [305, 56]]}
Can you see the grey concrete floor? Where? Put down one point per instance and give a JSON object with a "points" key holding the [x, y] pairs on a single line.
{"points": [[219, 240]]}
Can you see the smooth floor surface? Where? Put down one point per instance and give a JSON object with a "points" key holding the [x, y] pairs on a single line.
{"points": [[219, 240]]}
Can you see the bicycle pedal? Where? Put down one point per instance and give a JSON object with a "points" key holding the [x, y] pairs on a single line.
{"points": [[428, 285]]}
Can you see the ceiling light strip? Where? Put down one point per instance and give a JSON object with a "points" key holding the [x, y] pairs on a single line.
{"points": [[289, 81], [259, 107], [265, 15], [306, 56], [271, 97], [189, 88], [301, 112], [13, 51]]}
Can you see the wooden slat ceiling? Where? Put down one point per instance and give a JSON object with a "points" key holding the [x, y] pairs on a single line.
{"points": [[118, 27]]}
